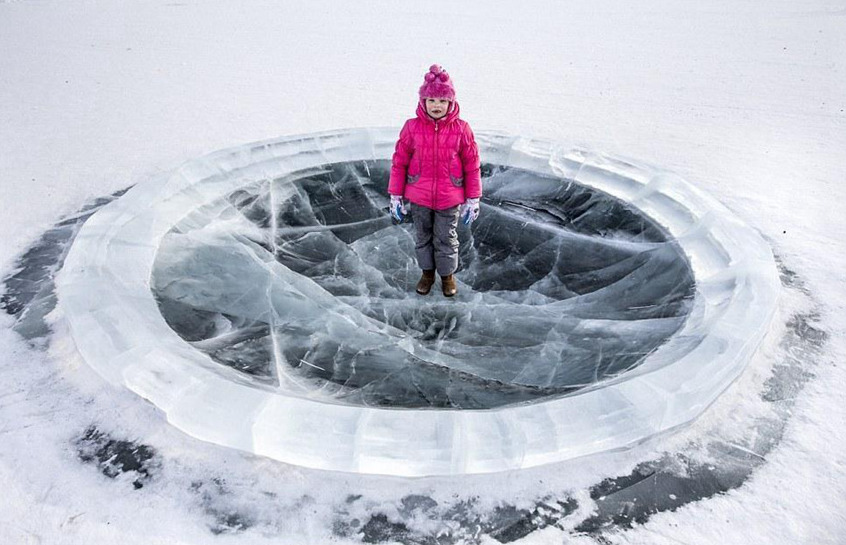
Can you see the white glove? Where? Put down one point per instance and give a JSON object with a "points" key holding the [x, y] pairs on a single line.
{"points": [[398, 209], [470, 211]]}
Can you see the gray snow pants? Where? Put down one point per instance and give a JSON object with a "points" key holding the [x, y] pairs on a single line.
{"points": [[436, 238]]}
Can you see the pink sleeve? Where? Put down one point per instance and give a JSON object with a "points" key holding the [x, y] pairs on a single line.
{"points": [[470, 160], [402, 157]]}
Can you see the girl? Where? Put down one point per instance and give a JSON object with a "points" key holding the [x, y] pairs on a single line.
{"points": [[436, 167]]}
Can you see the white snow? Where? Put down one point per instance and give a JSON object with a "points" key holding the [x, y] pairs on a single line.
{"points": [[743, 99]]}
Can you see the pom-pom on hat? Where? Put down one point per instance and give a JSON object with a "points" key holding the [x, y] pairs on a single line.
{"points": [[437, 84]]}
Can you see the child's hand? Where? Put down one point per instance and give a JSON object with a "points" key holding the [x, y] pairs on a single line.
{"points": [[398, 210], [470, 211]]}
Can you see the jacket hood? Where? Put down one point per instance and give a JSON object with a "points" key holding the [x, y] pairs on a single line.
{"points": [[451, 115]]}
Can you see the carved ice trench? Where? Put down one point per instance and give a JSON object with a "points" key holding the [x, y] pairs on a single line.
{"points": [[155, 253]]}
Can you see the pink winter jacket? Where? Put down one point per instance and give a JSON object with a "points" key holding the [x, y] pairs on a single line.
{"points": [[436, 163]]}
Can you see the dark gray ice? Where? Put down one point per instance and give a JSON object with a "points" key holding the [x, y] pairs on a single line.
{"points": [[560, 286]]}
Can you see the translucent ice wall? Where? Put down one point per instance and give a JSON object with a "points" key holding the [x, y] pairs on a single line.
{"points": [[260, 298]]}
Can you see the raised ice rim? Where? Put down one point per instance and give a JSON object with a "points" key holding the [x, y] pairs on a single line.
{"points": [[105, 296]]}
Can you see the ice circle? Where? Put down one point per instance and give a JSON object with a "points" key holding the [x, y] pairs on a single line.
{"points": [[262, 300]]}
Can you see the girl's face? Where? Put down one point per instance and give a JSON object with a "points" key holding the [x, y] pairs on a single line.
{"points": [[437, 107]]}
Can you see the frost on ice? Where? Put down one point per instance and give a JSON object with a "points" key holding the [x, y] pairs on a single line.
{"points": [[262, 299]]}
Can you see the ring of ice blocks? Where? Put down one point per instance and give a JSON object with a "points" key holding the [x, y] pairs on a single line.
{"points": [[261, 299]]}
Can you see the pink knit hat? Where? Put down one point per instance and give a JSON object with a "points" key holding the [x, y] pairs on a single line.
{"points": [[437, 84]]}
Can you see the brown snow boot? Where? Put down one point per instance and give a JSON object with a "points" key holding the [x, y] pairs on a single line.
{"points": [[448, 285], [425, 283]]}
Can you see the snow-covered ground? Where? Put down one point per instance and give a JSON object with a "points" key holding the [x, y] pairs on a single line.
{"points": [[744, 99]]}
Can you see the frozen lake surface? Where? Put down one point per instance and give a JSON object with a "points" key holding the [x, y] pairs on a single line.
{"points": [[742, 100]]}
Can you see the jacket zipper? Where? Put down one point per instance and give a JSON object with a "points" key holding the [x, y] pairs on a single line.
{"points": [[435, 170]]}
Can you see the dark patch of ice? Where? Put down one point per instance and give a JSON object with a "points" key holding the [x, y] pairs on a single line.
{"points": [[541, 240], [29, 293], [114, 457]]}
